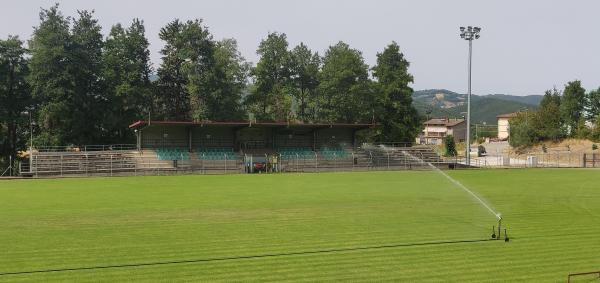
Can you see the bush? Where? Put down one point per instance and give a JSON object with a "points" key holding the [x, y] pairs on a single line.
{"points": [[594, 146], [450, 145], [521, 132], [481, 150]]}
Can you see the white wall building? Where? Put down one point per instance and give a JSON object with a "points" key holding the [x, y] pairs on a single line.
{"points": [[504, 125]]}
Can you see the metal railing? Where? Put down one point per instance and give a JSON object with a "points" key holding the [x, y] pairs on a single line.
{"points": [[84, 148], [377, 158], [533, 160]]}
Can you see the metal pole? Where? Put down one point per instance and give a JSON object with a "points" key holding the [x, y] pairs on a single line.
{"points": [[31, 129], [388, 160], [30, 141], [469, 108]]}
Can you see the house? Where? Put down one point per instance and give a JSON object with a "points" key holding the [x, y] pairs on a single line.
{"points": [[435, 130], [504, 125]]}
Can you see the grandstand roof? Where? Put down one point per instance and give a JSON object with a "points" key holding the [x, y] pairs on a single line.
{"points": [[141, 123]]}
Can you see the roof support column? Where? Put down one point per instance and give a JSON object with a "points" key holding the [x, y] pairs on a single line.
{"points": [[138, 134], [189, 134]]}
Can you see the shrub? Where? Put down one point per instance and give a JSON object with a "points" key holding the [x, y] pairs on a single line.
{"points": [[481, 150], [450, 145], [594, 146]]}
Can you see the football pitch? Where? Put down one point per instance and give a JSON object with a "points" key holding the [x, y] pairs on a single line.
{"points": [[409, 226]]}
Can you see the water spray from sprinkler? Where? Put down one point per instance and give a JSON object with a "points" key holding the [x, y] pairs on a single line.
{"points": [[496, 214]]}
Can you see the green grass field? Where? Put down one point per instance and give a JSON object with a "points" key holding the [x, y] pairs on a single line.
{"points": [[372, 226]]}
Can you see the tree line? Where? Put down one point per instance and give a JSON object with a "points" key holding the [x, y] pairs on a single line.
{"points": [[78, 86], [568, 113]]}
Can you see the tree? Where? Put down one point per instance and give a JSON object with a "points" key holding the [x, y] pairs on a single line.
{"points": [[595, 132], [593, 104], [173, 98], [199, 68], [346, 93], [231, 75], [49, 78], [450, 145], [521, 131], [126, 71], [399, 118], [66, 78], [89, 95], [270, 99], [200, 78], [547, 121], [572, 105], [305, 72], [14, 97]]}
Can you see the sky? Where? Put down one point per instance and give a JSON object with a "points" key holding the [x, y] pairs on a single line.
{"points": [[526, 47]]}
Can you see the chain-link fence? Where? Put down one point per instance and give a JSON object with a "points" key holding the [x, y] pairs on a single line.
{"points": [[534, 160], [365, 158]]}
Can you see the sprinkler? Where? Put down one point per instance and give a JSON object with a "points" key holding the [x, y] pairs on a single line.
{"points": [[493, 232], [505, 236], [499, 229]]}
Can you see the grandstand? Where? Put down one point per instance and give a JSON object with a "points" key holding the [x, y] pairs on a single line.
{"points": [[167, 147]]}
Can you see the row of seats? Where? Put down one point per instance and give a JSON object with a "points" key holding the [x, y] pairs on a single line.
{"points": [[216, 153], [172, 154], [215, 149], [296, 152], [227, 153], [333, 153]]}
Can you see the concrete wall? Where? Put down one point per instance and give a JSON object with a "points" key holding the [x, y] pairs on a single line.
{"points": [[254, 137], [334, 137], [164, 136], [194, 138], [203, 137]]}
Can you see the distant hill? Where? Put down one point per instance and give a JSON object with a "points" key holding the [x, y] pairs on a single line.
{"points": [[445, 103], [527, 99]]}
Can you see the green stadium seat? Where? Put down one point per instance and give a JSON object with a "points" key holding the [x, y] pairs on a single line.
{"points": [[172, 154], [215, 153]]}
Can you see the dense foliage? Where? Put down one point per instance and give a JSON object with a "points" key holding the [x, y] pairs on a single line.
{"points": [[73, 85], [572, 113]]}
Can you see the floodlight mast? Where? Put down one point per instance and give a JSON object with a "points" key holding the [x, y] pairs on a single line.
{"points": [[469, 33]]}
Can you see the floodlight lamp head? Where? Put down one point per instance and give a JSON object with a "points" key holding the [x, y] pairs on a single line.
{"points": [[462, 29], [476, 36]]}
